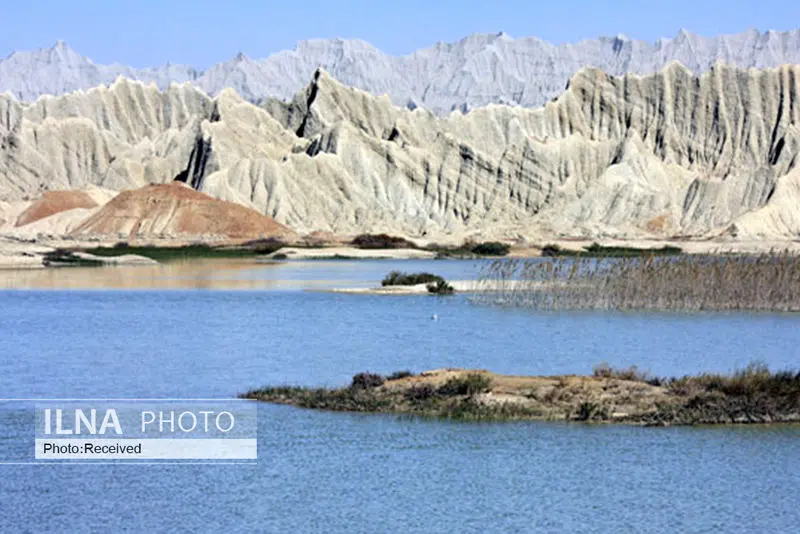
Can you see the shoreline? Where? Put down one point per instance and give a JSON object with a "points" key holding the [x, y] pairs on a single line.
{"points": [[752, 396], [18, 253], [459, 286]]}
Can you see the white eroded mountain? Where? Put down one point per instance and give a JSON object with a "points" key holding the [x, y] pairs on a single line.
{"points": [[475, 71], [669, 154]]}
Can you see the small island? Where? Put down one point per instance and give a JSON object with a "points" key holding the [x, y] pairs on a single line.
{"points": [[752, 395]]}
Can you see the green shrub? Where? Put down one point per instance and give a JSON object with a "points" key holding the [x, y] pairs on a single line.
{"points": [[367, 381], [397, 278], [589, 411], [441, 288], [174, 253], [468, 384], [379, 241], [550, 251], [420, 393], [598, 250], [491, 248]]}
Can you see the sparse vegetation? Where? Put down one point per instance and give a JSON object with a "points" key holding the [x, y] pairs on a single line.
{"points": [[163, 254], [397, 375], [550, 251], [599, 251], [381, 241], [752, 395], [441, 287], [469, 384], [420, 393], [603, 370], [491, 248], [367, 380], [471, 250], [397, 278], [591, 411], [678, 283], [67, 258]]}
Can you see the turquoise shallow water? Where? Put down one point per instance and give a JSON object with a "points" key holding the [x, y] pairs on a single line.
{"points": [[330, 472]]}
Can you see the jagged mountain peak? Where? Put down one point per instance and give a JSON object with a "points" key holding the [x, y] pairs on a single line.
{"points": [[474, 71]]}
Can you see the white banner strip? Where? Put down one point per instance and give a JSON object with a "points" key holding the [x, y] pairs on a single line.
{"points": [[146, 449]]}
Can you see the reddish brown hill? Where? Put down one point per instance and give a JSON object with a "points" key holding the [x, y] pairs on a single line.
{"points": [[52, 202], [176, 210]]}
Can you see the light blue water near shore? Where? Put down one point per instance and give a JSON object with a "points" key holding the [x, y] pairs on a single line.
{"points": [[328, 472]]}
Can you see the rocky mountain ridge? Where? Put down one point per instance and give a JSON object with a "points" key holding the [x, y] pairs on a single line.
{"points": [[478, 70], [666, 155]]}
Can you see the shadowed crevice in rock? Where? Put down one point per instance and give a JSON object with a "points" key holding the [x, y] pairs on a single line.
{"points": [[200, 162], [313, 89]]}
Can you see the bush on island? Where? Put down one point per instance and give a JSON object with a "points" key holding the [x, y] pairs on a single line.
{"points": [[367, 381], [397, 278], [379, 241], [441, 288], [397, 375], [469, 384], [491, 248]]}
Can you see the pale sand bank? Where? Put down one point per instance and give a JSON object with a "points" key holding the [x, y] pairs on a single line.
{"points": [[125, 259], [324, 253], [460, 286]]}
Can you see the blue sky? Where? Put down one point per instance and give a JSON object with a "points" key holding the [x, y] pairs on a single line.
{"points": [[201, 33]]}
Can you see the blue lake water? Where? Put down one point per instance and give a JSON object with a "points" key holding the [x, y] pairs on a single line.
{"points": [[214, 330]]}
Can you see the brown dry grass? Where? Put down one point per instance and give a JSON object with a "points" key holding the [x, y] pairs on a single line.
{"points": [[767, 282], [444, 392], [657, 225]]}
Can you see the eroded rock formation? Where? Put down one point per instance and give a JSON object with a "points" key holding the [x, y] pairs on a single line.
{"points": [[669, 154]]}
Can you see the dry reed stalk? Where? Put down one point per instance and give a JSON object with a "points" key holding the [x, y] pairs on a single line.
{"points": [[766, 282]]}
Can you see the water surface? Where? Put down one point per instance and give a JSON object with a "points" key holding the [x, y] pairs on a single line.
{"points": [[333, 472]]}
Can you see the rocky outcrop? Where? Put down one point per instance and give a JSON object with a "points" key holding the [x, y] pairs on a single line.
{"points": [[174, 210], [751, 396], [665, 155], [478, 70]]}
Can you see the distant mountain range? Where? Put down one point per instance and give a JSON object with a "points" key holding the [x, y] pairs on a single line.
{"points": [[478, 70]]}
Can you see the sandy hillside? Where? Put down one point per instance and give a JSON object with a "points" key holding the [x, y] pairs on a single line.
{"points": [[52, 202], [176, 210]]}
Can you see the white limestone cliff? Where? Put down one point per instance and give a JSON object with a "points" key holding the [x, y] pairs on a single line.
{"points": [[663, 155]]}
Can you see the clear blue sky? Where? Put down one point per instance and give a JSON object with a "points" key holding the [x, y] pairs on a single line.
{"points": [[201, 33]]}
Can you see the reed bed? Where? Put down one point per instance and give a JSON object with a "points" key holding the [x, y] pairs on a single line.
{"points": [[766, 282]]}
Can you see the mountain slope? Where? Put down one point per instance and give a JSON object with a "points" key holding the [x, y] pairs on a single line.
{"points": [[475, 71], [176, 210], [669, 154]]}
